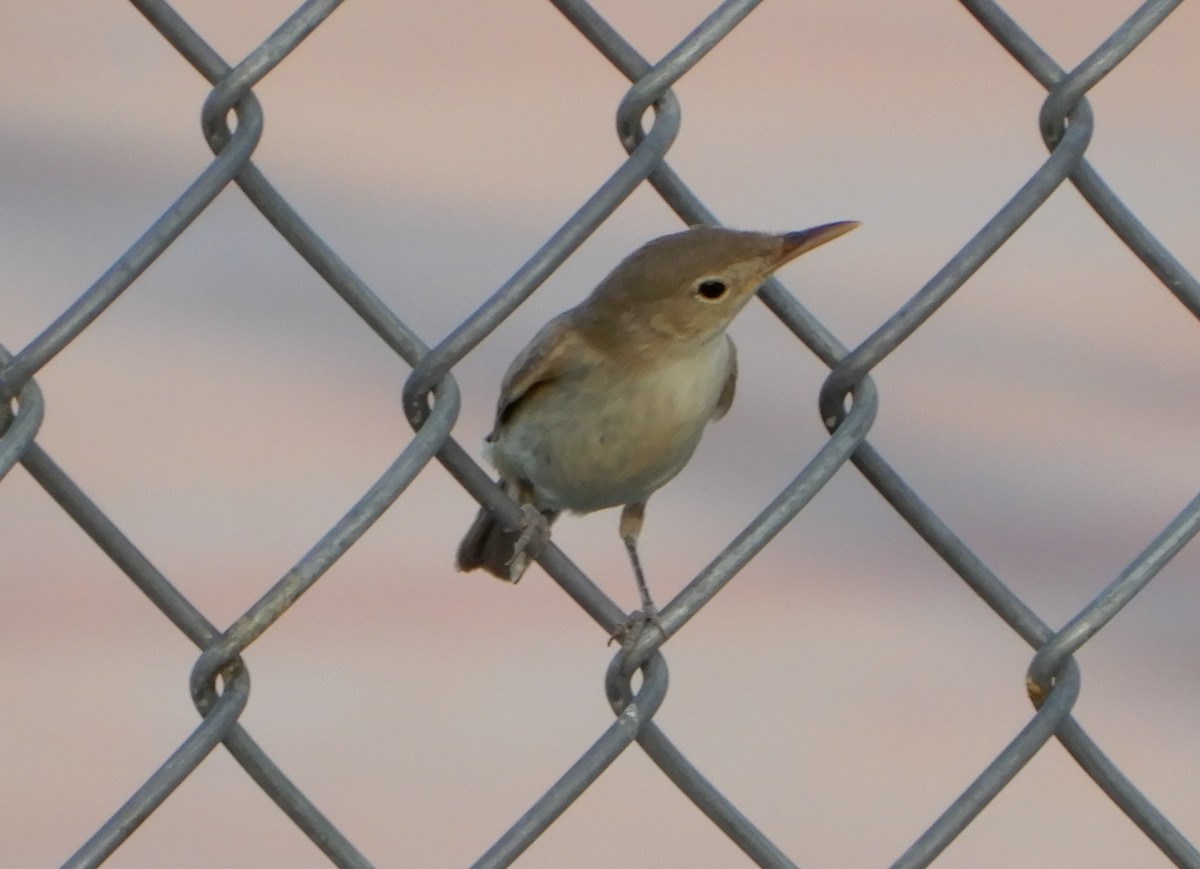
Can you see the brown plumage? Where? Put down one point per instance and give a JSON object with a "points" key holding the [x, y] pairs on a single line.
{"points": [[609, 400]]}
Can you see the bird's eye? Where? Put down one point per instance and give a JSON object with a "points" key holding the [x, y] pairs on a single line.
{"points": [[711, 289]]}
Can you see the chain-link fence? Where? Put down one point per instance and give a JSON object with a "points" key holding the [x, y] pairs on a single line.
{"points": [[648, 122]]}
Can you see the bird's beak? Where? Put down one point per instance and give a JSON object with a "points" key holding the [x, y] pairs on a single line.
{"points": [[796, 243]]}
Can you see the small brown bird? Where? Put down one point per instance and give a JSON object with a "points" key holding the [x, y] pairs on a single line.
{"points": [[609, 400]]}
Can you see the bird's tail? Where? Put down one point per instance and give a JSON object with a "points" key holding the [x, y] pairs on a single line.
{"points": [[502, 553]]}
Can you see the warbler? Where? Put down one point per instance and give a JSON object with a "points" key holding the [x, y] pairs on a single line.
{"points": [[609, 400]]}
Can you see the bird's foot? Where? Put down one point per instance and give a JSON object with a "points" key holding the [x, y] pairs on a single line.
{"points": [[535, 534], [630, 631]]}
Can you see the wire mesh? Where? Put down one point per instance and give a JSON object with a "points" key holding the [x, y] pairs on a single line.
{"points": [[648, 121]]}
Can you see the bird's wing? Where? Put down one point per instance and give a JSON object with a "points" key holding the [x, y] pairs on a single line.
{"points": [[725, 401], [554, 352]]}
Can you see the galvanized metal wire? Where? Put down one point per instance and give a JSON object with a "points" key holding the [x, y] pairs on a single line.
{"points": [[648, 120]]}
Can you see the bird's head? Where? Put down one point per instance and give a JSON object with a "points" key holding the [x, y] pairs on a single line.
{"points": [[690, 285]]}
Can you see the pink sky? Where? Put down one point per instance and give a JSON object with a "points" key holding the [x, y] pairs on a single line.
{"points": [[844, 688]]}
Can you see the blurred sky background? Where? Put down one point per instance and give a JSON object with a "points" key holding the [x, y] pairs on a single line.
{"points": [[845, 687]]}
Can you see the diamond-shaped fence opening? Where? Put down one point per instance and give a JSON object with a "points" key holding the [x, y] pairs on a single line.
{"points": [[215, 333]]}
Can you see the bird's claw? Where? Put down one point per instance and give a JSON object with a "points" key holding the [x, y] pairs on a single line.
{"points": [[630, 631], [535, 534]]}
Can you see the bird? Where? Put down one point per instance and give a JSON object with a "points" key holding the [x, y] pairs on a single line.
{"points": [[609, 400]]}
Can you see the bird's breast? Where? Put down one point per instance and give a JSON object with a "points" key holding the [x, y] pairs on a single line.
{"points": [[615, 432]]}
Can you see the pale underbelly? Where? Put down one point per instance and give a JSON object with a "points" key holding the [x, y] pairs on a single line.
{"points": [[591, 445]]}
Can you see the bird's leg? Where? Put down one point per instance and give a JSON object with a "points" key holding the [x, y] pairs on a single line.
{"points": [[631, 527], [534, 530], [535, 534]]}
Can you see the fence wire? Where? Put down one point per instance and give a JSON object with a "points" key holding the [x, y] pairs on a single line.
{"points": [[648, 120]]}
